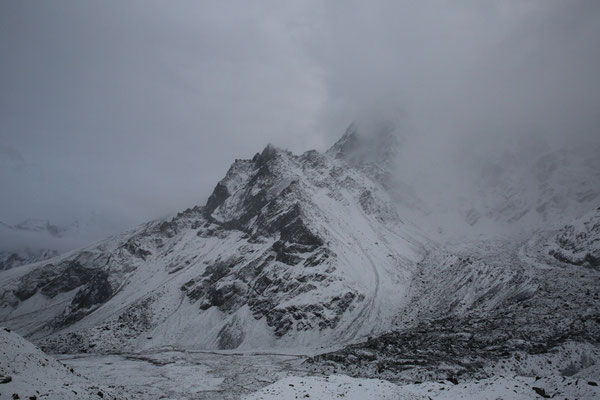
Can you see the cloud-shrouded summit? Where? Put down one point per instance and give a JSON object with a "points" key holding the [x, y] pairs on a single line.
{"points": [[127, 112]]}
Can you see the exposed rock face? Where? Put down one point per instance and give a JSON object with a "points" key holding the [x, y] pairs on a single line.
{"points": [[13, 259], [97, 290], [51, 280]]}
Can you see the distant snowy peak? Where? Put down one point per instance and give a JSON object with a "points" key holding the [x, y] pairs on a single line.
{"points": [[559, 184], [29, 241], [41, 226], [508, 193], [36, 239]]}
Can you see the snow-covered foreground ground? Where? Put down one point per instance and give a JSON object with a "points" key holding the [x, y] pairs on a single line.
{"points": [[505, 388], [28, 373], [510, 388], [187, 375], [206, 375], [333, 387]]}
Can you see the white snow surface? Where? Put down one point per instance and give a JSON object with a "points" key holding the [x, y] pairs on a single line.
{"points": [[333, 387], [29, 373], [501, 387], [509, 388]]}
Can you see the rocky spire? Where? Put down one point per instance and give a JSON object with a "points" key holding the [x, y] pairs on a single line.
{"points": [[376, 146]]}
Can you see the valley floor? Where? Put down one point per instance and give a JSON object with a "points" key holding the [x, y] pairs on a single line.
{"points": [[186, 374], [207, 375]]}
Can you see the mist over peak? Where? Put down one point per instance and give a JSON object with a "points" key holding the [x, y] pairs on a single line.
{"points": [[374, 144], [154, 124]]}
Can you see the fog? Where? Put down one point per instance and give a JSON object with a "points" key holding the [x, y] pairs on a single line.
{"points": [[133, 111]]}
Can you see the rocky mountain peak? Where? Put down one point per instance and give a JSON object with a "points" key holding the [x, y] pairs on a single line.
{"points": [[247, 187], [377, 144], [287, 248], [347, 144], [268, 153]]}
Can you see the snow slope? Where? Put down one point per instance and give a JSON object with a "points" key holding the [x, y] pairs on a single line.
{"points": [[27, 373], [575, 244]]}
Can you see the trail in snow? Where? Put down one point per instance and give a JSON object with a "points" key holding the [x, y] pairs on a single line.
{"points": [[361, 318], [358, 322]]}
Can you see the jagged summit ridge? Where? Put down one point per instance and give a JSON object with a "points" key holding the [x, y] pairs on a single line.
{"points": [[378, 146], [348, 143]]}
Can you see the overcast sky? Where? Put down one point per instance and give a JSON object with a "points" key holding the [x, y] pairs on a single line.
{"points": [[131, 110]]}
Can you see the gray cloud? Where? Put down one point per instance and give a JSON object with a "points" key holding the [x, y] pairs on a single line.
{"points": [[491, 69], [137, 109], [134, 110]]}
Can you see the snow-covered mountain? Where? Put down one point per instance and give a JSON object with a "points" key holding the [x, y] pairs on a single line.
{"points": [[499, 194], [34, 240], [327, 249], [550, 188], [289, 250]]}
